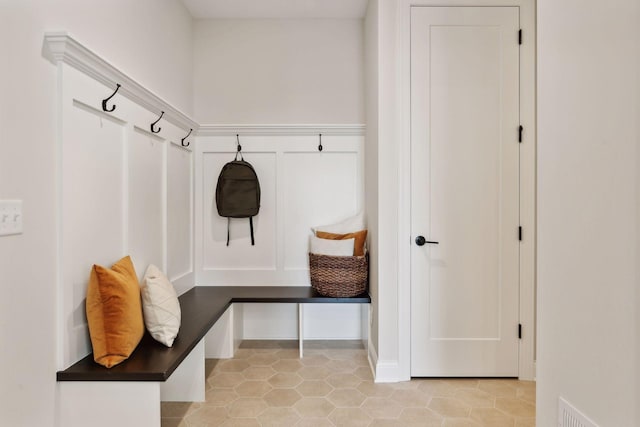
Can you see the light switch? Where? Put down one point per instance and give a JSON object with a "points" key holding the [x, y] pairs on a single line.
{"points": [[10, 217]]}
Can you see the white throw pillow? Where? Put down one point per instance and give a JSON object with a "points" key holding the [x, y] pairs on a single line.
{"points": [[331, 247], [160, 306], [349, 225]]}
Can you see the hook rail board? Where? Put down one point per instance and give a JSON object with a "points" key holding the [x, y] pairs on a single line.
{"points": [[61, 47]]}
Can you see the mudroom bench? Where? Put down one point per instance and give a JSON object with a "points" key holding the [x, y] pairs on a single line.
{"points": [[130, 393]]}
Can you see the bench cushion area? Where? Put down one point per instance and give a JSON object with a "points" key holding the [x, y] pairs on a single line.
{"points": [[201, 307]]}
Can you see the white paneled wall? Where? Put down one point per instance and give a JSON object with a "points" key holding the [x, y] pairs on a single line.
{"points": [[239, 257], [317, 189], [334, 321], [301, 187], [123, 191], [179, 212], [146, 199], [282, 322]]}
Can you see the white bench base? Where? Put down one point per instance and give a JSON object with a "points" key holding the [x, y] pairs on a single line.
{"points": [[138, 403], [108, 404], [130, 403]]}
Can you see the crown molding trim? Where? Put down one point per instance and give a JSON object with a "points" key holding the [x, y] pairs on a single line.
{"points": [[61, 47], [297, 129]]}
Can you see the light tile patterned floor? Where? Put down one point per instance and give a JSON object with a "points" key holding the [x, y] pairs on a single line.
{"points": [[266, 384]]}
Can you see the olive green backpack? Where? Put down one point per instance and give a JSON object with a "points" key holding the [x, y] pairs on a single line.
{"points": [[238, 192]]}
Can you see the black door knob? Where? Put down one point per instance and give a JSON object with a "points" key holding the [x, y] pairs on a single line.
{"points": [[420, 241]]}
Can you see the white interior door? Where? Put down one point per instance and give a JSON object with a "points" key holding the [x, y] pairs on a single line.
{"points": [[465, 191]]}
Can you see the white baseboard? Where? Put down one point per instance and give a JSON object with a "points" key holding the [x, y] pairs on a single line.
{"points": [[384, 371], [373, 358], [387, 371]]}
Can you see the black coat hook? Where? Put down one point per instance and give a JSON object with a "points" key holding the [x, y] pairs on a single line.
{"points": [[239, 148], [104, 101], [320, 146], [154, 123], [187, 144]]}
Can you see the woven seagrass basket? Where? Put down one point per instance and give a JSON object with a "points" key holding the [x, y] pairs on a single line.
{"points": [[339, 276]]}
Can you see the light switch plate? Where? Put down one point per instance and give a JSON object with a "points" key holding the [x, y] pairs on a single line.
{"points": [[10, 217]]}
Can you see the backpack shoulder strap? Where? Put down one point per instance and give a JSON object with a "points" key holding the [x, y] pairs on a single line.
{"points": [[253, 242]]}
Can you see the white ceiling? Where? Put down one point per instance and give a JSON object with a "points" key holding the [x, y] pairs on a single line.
{"points": [[269, 9]]}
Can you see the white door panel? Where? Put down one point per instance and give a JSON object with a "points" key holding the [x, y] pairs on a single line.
{"points": [[465, 156]]}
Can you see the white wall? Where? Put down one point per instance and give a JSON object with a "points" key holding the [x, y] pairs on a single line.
{"points": [[278, 71], [372, 109], [637, 180], [133, 36], [389, 137], [384, 134], [587, 209]]}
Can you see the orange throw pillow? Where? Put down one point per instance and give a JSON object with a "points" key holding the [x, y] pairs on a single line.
{"points": [[114, 312], [358, 246]]}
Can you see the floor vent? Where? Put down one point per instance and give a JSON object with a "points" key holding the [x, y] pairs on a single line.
{"points": [[568, 416]]}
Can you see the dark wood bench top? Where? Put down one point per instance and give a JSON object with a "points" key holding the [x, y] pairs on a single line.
{"points": [[201, 307]]}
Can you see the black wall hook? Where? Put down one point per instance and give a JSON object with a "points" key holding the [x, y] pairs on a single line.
{"points": [[182, 143], [154, 123], [320, 146], [104, 101], [239, 148]]}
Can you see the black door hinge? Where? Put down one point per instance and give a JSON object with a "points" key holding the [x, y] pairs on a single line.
{"points": [[520, 233], [519, 36], [520, 129], [520, 331]]}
